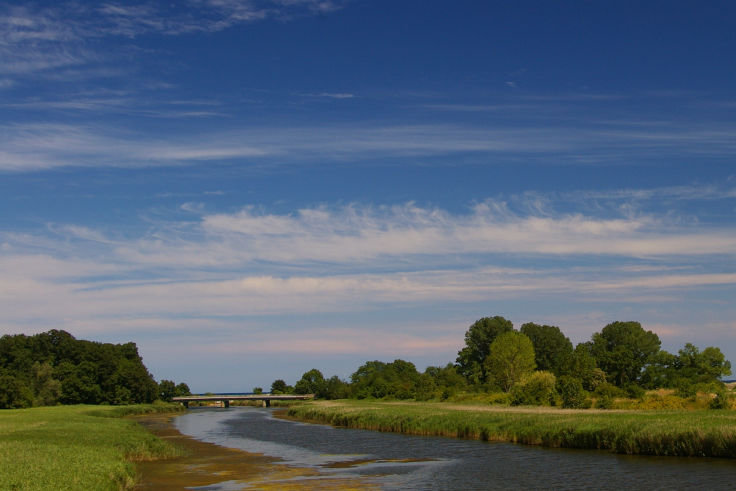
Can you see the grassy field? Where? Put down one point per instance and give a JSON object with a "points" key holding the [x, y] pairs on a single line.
{"points": [[701, 433], [76, 447]]}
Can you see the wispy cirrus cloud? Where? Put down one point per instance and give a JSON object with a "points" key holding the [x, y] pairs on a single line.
{"points": [[49, 145], [230, 275], [37, 41]]}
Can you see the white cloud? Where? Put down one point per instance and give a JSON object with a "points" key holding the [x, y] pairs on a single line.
{"points": [[36, 40], [39, 146]]}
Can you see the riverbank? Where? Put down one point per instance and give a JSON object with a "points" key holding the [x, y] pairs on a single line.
{"points": [[77, 447], [211, 466], [701, 433]]}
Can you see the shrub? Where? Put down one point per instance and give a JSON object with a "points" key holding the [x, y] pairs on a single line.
{"points": [[634, 391], [606, 394], [720, 401], [538, 389], [571, 391]]}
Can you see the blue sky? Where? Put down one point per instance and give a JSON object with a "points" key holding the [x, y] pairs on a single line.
{"points": [[250, 189]]}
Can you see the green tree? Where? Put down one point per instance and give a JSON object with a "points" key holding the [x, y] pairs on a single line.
{"points": [[166, 390], [377, 379], [552, 349], [478, 339], [336, 388], [704, 366], [312, 382], [278, 387], [623, 349], [584, 366], [571, 391], [510, 359], [13, 392], [537, 389], [440, 383], [661, 371], [182, 389]]}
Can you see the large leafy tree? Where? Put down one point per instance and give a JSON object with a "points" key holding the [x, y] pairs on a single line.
{"points": [[510, 358], [54, 367], [312, 382], [552, 349], [377, 379], [623, 350], [478, 339], [704, 366]]}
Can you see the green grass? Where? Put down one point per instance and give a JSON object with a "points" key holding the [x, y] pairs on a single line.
{"points": [[702, 433], [76, 447]]}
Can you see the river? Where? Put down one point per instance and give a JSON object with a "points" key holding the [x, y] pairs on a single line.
{"points": [[391, 461]]}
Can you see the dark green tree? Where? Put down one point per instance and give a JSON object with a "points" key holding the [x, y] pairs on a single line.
{"points": [[278, 387], [312, 382], [166, 390], [377, 379], [336, 388], [623, 350], [571, 392], [704, 366], [584, 367], [440, 383], [182, 389], [478, 339], [552, 349], [13, 392]]}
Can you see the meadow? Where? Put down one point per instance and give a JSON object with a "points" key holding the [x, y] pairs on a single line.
{"points": [[691, 433], [77, 447]]}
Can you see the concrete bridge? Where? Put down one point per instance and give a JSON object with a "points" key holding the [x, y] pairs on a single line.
{"points": [[227, 398]]}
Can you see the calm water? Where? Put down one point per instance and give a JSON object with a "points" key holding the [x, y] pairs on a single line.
{"points": [[390, 461]]}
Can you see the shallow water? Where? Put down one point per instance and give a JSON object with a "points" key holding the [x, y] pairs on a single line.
{"points": [[392, 461]]}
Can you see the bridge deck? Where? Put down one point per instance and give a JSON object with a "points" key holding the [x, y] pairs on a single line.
{"points": [[267, 398]]}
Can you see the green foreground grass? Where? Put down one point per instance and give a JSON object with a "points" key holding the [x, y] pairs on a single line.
{"points": [[76, 447], [698, 433]]}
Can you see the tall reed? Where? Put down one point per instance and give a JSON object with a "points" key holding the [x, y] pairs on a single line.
{"points": [[701, 433]]}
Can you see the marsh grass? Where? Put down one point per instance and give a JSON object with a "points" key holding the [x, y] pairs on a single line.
{"points": [[702, 433], [76, 447]]}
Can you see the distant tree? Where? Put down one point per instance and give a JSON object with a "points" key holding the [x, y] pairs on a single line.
{"points": [[377, 379], [257, 390], [133, 380], [571, 391], [278, 387], [440, 383], [623, 349], [166, 390], [583, 366], [660, 372], [46, 388], [182, 389], [478, 339], [510, 359], [312, 382], [336, 388], [552, 349], [13, 392], [704, 366]]}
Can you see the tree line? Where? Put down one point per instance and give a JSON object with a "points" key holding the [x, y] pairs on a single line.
{"points": [[536, 364], [55, 368]]}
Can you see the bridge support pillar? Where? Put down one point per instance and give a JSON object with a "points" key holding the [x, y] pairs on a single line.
{"points": [[226, 403], [267, 403]]}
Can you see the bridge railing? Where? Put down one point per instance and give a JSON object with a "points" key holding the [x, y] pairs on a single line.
{"points": [[227, 398]]}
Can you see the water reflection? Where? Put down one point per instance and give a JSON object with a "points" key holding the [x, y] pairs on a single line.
{"points": [[391, 461]]}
